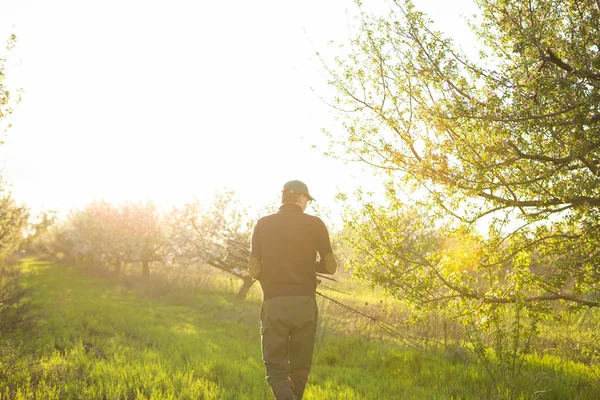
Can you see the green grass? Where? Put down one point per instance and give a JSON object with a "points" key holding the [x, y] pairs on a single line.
{"points": [[105, 338]]}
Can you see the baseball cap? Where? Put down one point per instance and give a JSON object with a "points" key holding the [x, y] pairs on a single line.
{"points": [[297, 187]]}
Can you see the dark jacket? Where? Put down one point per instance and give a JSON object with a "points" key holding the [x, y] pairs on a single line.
{"points": [[287, 244]]}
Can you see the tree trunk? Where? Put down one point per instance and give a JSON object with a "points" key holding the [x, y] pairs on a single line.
{"points": [[118, 264], [145, 268], [243, 292]]}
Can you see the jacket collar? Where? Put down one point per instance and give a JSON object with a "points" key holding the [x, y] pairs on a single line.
{"points": [[290, 208]]}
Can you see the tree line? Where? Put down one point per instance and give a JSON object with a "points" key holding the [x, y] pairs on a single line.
{"points": [[105, 235]]}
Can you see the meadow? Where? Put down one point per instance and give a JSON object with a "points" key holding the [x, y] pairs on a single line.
{"points": [[100, 336]]}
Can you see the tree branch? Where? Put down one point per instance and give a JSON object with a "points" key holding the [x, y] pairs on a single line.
{"points": [[464, 292], [575, 200], [539, 157], [547, 297], [553, 58]]}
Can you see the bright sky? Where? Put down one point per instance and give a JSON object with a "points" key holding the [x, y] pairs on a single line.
{"points": [[132, 100]]}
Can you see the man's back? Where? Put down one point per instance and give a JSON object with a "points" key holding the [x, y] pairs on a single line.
{"points": [[287, 244]]}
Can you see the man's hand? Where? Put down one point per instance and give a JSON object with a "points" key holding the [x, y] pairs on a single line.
{"points": [[326, 265], [254, 268]]}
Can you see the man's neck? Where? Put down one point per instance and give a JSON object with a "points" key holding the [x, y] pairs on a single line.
{"points": [[291, 206]]}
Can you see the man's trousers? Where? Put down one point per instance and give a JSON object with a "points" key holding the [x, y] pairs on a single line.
{"points": [[288, 329]]}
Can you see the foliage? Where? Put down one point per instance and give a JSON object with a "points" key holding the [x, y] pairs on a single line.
{"points": [[13, 220], [35, 241], [509, 142], [58, 242], [7, 99]]}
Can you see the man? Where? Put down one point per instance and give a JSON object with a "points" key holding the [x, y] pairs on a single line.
{"points": [[283, 259]]}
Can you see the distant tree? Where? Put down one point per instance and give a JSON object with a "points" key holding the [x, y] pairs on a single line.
{"points": [[38, 228], [217, 234], [143, 232], [93, 234], [59, 241], [102, 234], [509, 141]]}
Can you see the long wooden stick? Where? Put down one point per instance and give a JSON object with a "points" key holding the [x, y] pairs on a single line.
{"points": [[386, 327]]}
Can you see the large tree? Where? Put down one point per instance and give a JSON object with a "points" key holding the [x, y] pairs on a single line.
{"points": [[504, 148]]}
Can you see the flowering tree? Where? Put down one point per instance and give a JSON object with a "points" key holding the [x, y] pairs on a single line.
{"points": [[217, 234], [143, 233]]}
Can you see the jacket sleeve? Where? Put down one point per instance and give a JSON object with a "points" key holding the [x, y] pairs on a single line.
{"points": [[256, 246], [255, 259], [327, 263]]}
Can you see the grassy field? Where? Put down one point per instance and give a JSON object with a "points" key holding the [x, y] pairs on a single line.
{"points": [[105, 337]]}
